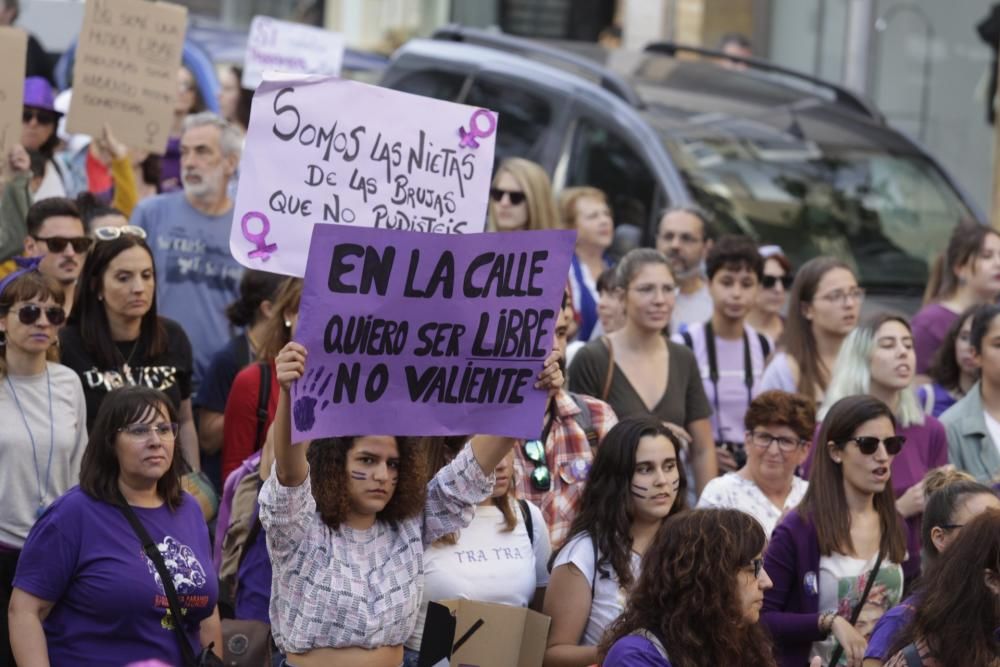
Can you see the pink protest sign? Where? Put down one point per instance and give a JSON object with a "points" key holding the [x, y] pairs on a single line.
{"points": [[321, 150], [416, 334]]}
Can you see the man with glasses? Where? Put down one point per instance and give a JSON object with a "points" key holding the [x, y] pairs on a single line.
{"points": [[57, 235], [552, 470], [685, 237], [779, 426]]}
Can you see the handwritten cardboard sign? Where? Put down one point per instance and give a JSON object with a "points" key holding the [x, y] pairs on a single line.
{"points": [[290, 47], [125, 72], [13, 51], [427, 334], [321, 150]]}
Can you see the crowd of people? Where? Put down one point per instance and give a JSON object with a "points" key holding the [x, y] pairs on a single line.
{"points": [[734, 466]]}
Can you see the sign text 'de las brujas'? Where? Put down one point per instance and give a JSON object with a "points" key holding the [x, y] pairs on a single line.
{"points": [[321, 150], [420, 334]]}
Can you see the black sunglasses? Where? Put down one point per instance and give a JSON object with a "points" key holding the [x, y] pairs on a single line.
{"points": [[541, 477], [767, 282], [868, 444], [29, 314], [515, 197], [43, 117], [57, 244]]}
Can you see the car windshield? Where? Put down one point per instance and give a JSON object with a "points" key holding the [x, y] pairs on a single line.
{"points": [[886, 214]]}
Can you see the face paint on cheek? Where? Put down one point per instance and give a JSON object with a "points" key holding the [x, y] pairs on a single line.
{"points": [[358, 475], [640, 491]]}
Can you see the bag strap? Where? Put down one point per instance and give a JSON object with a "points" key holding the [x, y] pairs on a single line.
{"points": [[765, 347], [529, 523], [263, 396], [149, 546], [654, 637], [688, 341], [856, 612], [611, 368]]}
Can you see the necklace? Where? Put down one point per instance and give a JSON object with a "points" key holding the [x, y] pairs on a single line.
{"points": [[34, 450], [126, 369]]}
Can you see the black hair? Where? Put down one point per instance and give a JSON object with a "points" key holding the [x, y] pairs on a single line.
{"points": [[256, 287], [606, 281], [51, 207], [739, 39], [734, 253], [981, 324], [91, 208]]}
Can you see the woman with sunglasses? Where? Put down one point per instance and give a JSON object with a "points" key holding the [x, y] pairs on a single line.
{"points": [[43, 412], [766, 316], [954, 499], [38, 134], [956, 619], [114, 338], [698, 599], [86, 592], [823, 553], [878, 359], [823, 307], [779, 427], [521, 198], [635, 483], [973, 423]]}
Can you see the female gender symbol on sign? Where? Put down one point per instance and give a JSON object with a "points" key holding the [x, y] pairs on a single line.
{"points": [[475, 132], [264, 249]]}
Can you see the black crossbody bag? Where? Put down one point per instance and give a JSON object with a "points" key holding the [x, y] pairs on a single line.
{"points": [[856, 613], [204, 659]]}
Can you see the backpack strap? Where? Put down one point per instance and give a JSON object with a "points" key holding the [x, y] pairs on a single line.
{"points": [[655, 638], [765, 346], [263, 396], [529, 523], [585, 419]]}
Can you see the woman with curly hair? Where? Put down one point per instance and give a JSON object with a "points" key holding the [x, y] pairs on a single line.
{"points": [[635, 483], [956, 621], [698, 599], [347, 525]]}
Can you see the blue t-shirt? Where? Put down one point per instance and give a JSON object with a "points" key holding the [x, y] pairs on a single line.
{"points": [[196, 275], [110, 606]]}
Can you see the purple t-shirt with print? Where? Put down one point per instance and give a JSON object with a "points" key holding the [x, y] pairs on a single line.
{"points": [[110, 608]]}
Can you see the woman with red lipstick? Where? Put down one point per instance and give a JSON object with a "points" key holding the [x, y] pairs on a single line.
{"points": [[878, 359], [635, 483], [845, 532], [43, 414], [114, 338], [698, 599]]}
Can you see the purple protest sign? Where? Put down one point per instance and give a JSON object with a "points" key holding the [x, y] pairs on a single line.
{"points": [[427, 334]]}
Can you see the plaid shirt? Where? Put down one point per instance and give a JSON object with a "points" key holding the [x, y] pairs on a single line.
{"points": [[568, 456]]}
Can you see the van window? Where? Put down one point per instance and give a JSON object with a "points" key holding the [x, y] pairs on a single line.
{"points": [[600, 158], [434, 83], [524, 116]]}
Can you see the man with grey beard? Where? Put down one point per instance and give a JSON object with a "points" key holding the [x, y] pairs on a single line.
{"points": [[188, 232], [685, 236]]}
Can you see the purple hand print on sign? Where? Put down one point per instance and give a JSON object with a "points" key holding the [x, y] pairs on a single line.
{"points": [[304, 408]]}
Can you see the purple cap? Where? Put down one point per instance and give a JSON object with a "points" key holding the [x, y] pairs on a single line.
{"points": [[38, 94]]}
